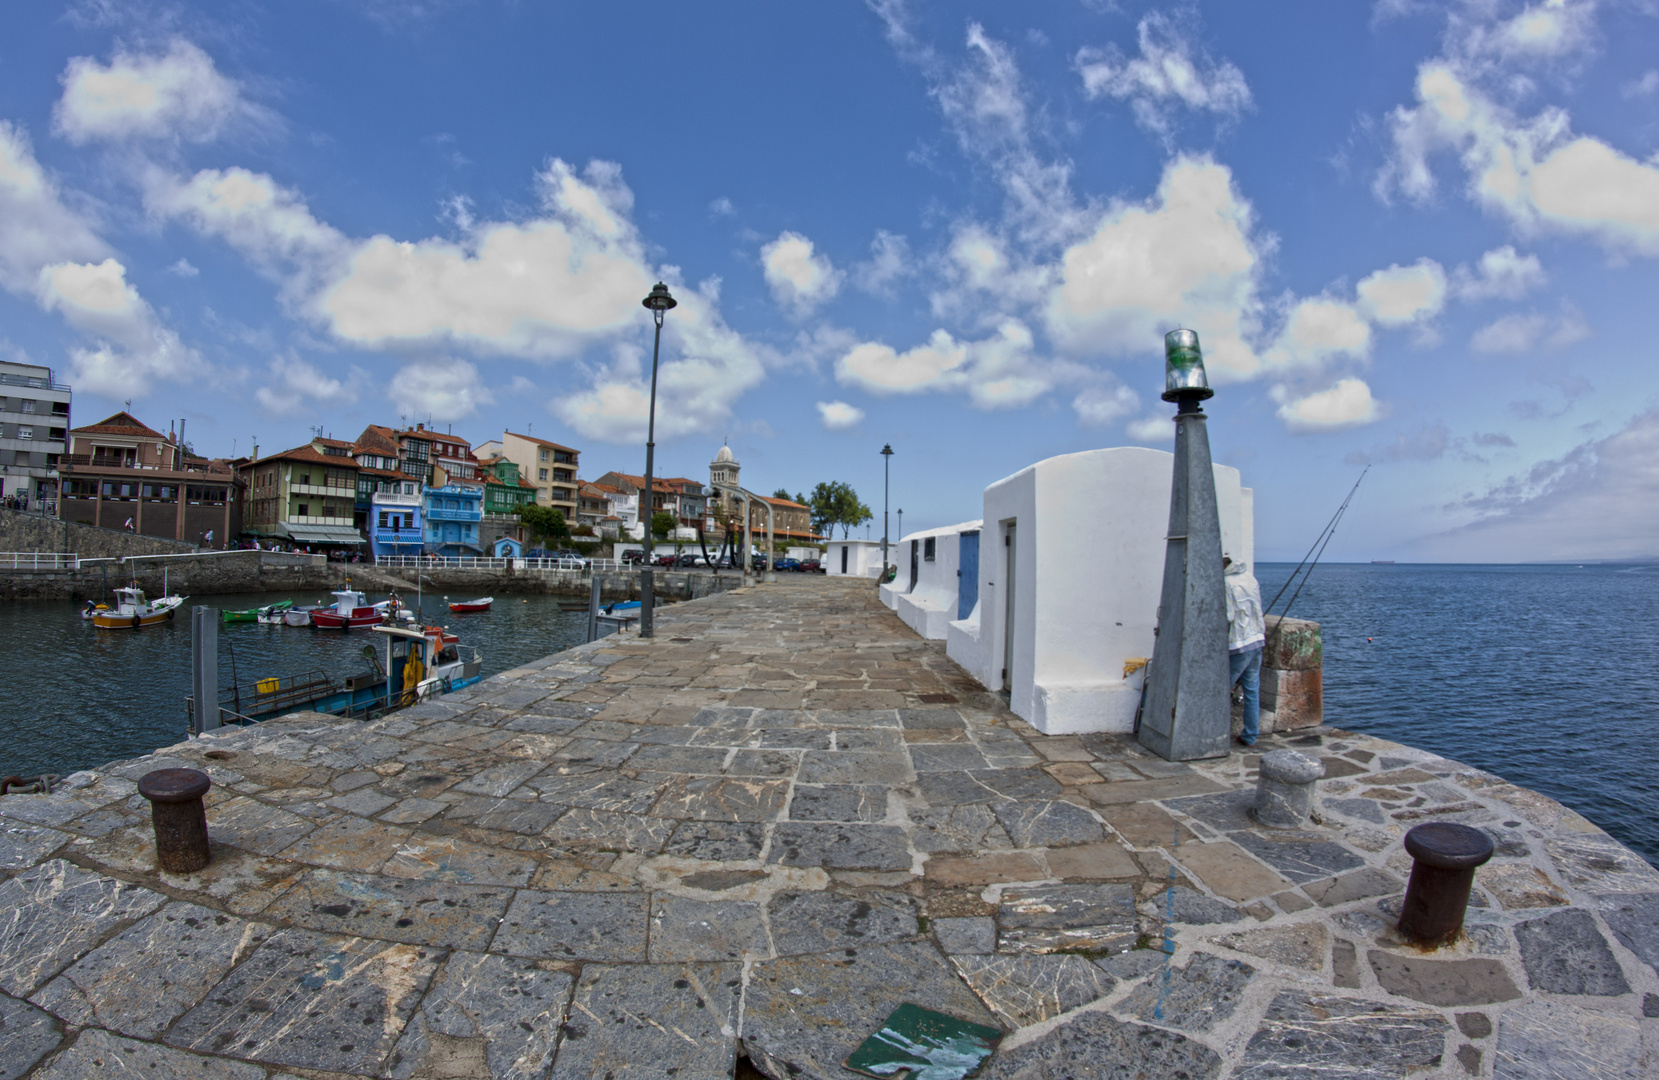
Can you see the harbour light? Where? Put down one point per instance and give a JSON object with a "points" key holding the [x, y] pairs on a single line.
{"points": [[1184, 367]]}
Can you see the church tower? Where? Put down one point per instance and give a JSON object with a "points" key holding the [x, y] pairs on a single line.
{"points": [[723, 470]]}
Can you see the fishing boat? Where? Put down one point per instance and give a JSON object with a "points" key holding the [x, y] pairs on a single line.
{"points": [[419, 663], [300, 616], [258, 614], [132, 610], [622, 605], [472, 605], [351, 609], [92, 608]]}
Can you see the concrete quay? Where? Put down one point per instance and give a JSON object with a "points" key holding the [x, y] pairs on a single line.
{"points": [[753, 837]]}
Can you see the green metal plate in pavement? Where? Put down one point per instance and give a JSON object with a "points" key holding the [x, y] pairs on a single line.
{"points": [[920, 1044]]}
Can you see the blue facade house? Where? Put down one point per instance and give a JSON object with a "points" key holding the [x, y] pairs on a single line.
{"points": [[395, 516], [508, 548], [453, 512]]}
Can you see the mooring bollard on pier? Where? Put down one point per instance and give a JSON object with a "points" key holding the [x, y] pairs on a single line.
{"points": [[179, 818], [1284, 789], [1446, 855]]}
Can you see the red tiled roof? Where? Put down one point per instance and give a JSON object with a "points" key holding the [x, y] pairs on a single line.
{"points": [[122, 423], [308, 454], [782, 502], [542, 442]]}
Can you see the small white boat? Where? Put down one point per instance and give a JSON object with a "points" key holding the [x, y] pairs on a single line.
{"points": [[299, 616]]}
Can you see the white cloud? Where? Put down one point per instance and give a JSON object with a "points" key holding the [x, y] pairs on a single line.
{"points": [[838, 415], [183, 268], [722, 207], [1167, 75], [1645, 86], [1100, 406], [442, 390], [1185, 257], [800, 278], [889, 261], [132, 349], [1540, 513], [268, 224], [566, 283], [1502, 273], [1522, 333], [296, 386], [1347, 404], [1403, 294], [1157, 430], [996, 372], [36, 227], [1320, 329], [1536, 173], [175, 94]]}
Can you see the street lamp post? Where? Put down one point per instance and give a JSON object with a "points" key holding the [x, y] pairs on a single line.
{"points": [[1186, 714], [886, 461], [658, 302], [899, 539]]}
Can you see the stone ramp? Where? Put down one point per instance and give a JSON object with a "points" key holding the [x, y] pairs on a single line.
{"points": [[756, 835]]}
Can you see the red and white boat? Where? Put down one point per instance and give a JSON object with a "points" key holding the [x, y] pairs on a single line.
{"points": [[351, 609], [473, 605]]}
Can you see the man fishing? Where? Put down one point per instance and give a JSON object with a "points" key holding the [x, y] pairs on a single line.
{"points": [[1246, 634]]}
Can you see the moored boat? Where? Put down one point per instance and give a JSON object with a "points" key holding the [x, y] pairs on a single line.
{"points": [[351, 609], [300, 616], [231, 615], [482, 604], [133, 610]]}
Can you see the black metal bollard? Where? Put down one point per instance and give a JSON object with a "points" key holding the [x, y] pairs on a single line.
{"points": [[179, 818], [1446, 855]]}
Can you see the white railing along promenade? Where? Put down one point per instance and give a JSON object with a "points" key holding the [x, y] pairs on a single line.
{"points": [[480, 562], [38, 560]]}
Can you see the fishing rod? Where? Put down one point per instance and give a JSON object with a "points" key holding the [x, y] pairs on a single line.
{"points": [[1320, 542]]}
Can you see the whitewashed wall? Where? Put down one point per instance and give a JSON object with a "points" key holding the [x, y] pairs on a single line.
{"points": [[1088, 560], [863, 558], [930, 607]]}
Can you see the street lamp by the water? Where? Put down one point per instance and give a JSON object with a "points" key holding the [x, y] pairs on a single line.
{"points": [[658, 302], [1186, 712], [886, 461]]}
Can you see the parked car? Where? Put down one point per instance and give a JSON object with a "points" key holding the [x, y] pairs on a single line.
{"points": [[786, 564], [811, 566], [691, 559], [633, 556], [665, 560]]}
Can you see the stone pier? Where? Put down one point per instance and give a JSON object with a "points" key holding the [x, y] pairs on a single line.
{"points": [[743, 843]]}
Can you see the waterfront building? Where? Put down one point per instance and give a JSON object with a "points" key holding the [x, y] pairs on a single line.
{"points": [[34, 422], [121, 474], [453, 512], [550, 466], [938, 578], [1069, 647], [505, 494], [395, 518], [791, 521], [684, 499], [302, 496], [376, 455]]}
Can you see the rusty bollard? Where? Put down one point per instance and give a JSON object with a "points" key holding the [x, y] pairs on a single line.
{"points": [[1446, 855], [179, 818]]}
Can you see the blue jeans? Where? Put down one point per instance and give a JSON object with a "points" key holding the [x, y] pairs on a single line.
{"points": [[1245, 670]]}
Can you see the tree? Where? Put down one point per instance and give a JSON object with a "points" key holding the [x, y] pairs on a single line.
{"points": [[834, 503], [783, 493], [547, 522]]}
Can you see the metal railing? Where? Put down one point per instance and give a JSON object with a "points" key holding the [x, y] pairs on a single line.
{"points": [[38, 560], [482, 562]]}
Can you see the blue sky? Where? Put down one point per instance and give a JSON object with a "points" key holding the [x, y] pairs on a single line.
{"points": [[1420, 237]]}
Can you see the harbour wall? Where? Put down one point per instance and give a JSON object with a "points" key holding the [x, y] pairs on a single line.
{"points": [[204, 573], [30, 532]]}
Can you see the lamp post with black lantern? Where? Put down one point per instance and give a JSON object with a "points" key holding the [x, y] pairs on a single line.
{"points": [[658, 302], [886, 461]]}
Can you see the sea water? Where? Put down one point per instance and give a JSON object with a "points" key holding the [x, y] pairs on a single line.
{"points": [[1547, 676]]}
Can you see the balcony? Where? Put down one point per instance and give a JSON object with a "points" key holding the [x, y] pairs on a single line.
{"points": [[347, 492], [469, 515], [392, 498], [8, 379]]}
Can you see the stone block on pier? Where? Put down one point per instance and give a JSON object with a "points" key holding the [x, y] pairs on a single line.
{"points": [[1293, 645], [1295, 697]]}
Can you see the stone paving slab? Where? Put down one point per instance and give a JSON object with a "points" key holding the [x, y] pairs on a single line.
{"points": [[757, 834]]}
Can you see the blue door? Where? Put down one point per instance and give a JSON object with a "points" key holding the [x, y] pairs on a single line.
{"points": [[967, 583]]}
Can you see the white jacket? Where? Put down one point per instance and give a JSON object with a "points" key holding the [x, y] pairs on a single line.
{"points": [[1245, 626]]}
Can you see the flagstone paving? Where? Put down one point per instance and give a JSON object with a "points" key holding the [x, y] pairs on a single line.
{"points": [[756, 835]]}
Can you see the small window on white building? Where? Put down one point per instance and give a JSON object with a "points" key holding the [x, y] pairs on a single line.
{"points": [[25, 432], [28, 406], [544, 458], [927, 549]]}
